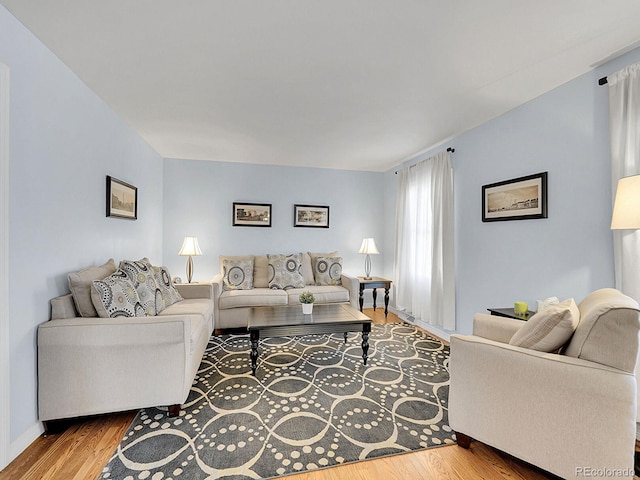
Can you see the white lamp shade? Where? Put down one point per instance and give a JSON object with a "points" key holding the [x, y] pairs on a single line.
{"points": [[369, 246], [190, 247], [626, 208]]}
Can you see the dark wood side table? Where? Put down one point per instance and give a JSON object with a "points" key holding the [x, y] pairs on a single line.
{"points": [[374, 283], [510, 313]]}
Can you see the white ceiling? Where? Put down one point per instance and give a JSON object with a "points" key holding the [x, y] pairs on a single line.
{"points": [[354, 84]]}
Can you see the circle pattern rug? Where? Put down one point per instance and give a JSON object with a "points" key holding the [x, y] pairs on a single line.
{"points": [[312, 404]]}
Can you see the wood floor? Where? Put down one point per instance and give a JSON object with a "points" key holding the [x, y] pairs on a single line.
{"points": [[84, 448]]}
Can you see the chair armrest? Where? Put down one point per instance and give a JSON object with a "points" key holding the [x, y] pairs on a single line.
{"points": [[195, 290], [493, 327], [513, 398], [353, 285]]}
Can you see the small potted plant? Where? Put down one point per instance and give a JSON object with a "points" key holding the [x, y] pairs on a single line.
{"points": [[306, 299]]}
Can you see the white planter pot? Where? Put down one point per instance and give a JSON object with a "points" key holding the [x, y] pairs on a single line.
{"points": [[307, 308]]}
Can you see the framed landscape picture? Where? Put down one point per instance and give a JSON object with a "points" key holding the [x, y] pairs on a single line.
{"points": [[311, 216], [122, 199], [521, 198], [251, 214]]}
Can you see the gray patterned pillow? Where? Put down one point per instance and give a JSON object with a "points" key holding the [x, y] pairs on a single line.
{"points": [[237, 272], [285, 271], [115, 296], [140, 273], [328, 270], [168, 294]]}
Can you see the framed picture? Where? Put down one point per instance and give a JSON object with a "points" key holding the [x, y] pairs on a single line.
{"points": [[315, 216], [251, 214], [517, 199], [122, 199]]}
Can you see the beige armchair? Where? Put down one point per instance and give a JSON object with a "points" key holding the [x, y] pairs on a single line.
{"points": [[572, 414]]}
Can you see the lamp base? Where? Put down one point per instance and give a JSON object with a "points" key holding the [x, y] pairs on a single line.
{"points": [[189, 269]]}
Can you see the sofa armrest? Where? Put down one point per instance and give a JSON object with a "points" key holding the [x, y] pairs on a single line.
{"points": [[216, 284], [513, 398], [88, 366], [195, 290], [353, 285], [493, 327]]}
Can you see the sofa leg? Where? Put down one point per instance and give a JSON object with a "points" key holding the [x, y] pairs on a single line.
{"points": [[174, 410], [463, 440]]}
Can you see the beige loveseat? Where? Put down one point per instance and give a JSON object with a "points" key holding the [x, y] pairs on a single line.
{"points": [[90, 364], [235, 295], [572, 414]]}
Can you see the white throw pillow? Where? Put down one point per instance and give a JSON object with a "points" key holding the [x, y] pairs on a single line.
{"points": [[237, 272], [328, 270], [549, 330], [115, 296]]}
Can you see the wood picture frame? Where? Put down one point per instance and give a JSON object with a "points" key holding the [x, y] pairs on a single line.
{"points": [[522, 198], [246, 214], [122, 199], [312, 216]]}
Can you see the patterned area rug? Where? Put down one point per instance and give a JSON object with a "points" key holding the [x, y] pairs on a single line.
{"points": [[312, 404]]}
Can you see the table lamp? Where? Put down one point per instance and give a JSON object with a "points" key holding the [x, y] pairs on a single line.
{"points": [[190, 247], [626, 208], [369, 247]]}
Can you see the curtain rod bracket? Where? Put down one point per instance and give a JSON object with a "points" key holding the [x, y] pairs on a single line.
{"points": [[603, 81]]}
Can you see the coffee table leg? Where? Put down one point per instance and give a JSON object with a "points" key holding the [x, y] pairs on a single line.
{"points": [[255, 339], [345, 336], [366, 328]]}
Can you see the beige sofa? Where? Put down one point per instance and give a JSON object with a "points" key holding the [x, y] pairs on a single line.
{"points": [[231, 306], [92, 365], [572, 414]]}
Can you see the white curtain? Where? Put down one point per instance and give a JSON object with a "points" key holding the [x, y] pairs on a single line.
{"points": [[624, 124], [424, 267]]}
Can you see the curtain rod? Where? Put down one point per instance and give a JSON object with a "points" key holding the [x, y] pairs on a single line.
{"points": [[602, 81], [450, 149]]}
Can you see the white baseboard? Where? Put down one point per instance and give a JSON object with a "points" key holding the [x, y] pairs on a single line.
{"points": [[23, 441], [443, 334]]}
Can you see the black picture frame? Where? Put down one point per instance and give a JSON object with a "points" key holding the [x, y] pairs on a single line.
{"points": [[249, 214], [122, 199], [522, 198], [311, 216]]}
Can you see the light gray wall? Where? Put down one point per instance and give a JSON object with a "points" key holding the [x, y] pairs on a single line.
{"points": [[564, 132], [198, 198], [63, 142]]}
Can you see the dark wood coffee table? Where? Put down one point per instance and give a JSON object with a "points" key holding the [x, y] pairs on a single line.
{"points": [[290, 321]]}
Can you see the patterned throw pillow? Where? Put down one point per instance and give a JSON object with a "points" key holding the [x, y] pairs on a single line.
{"points": [[237, 272], [167, 292], [115, 296], [141, 275], [328, 270], [285, 271]]}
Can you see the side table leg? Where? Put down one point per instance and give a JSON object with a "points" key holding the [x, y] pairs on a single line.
{"points": [[366, 328], [386, 301], [375, 295], [361, 296], [255, 339]]}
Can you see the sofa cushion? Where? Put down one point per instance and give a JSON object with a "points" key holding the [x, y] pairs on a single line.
{"points": [[549, 330], [307, 269], [140, 273], [258, 297], [285, 271], [323, 294], [169, 294], [196, 308], [80, 286], [237, 272], [328, 270], [115, 296], [608, 330], [260, 271]]}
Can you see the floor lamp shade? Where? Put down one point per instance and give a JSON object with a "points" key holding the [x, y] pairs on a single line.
{"points": [[626, 208], [190, 248], [369, 248]]}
